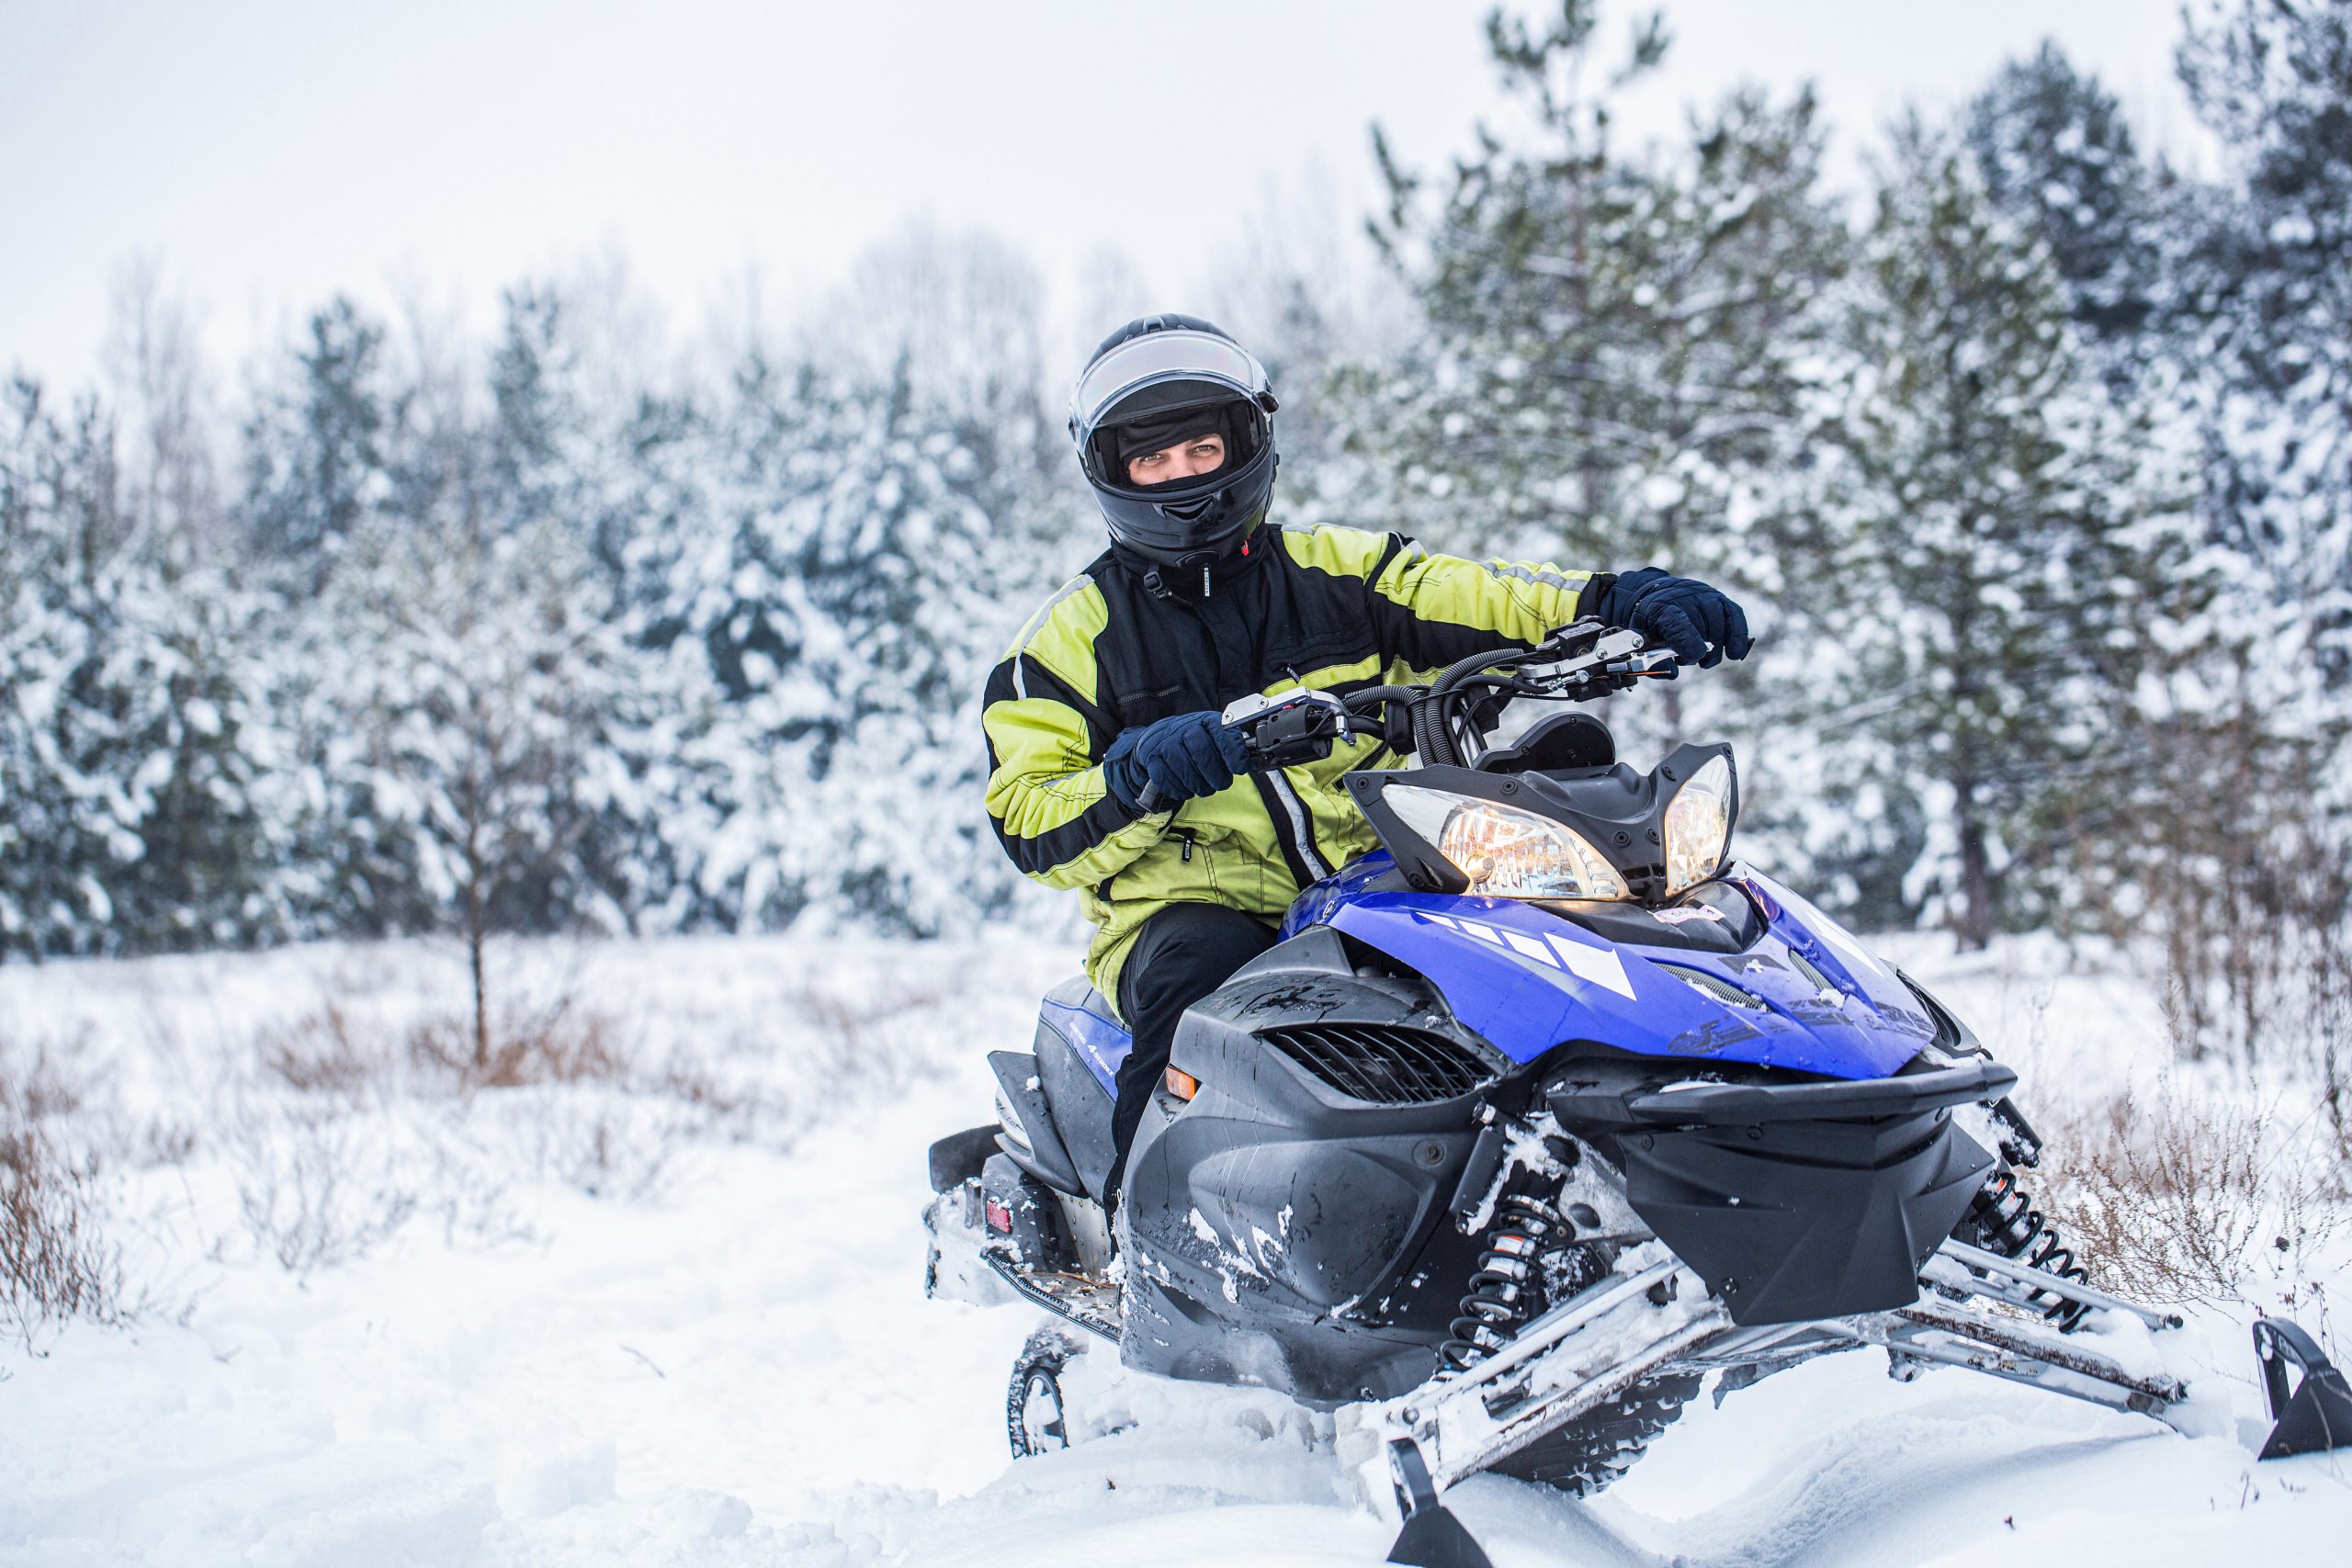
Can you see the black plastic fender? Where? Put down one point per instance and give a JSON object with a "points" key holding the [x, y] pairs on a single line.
{"points": [[1036, 1144], [1267, 1208]]}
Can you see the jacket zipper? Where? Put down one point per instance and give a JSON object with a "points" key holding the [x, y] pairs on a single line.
{"points": [[1297, 844]]}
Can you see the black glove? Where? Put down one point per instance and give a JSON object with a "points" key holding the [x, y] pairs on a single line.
{"points": [[1174, 761], [1685, 614]]}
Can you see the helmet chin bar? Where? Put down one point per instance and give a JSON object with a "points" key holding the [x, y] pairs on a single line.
{"points": [[1190, 526]]}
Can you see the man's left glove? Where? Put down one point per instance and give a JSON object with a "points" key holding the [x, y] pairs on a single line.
{"points": [[1177, 759], [1698, 623]]}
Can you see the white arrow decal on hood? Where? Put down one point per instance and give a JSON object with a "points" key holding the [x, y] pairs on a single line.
{"points": [[1599, 965]]}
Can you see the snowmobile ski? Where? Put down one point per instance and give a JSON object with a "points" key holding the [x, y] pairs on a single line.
{"points": [[2317, 1415]]}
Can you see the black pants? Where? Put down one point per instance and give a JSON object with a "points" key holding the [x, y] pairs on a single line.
{"points": [[1182, 954]]}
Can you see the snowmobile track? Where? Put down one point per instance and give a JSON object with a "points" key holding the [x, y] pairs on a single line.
{"points": [[1584, 1457]]}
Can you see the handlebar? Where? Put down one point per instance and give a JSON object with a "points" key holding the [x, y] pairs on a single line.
{"points": [[1440, 720]]}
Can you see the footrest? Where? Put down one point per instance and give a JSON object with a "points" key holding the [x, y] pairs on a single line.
{"points": [[2317, 1414], [1091, 1304]]}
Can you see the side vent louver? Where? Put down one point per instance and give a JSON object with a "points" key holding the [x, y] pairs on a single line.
{"points": [[1381, 1063]]}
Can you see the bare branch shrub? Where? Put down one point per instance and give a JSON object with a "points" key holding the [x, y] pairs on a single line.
{"points": [[2175, 1197], [337, 1126], [559, 1043], [2245, 884], [879, 1043], [607, 1146], [55, 1262], [317, 1054], [307, 1195]]}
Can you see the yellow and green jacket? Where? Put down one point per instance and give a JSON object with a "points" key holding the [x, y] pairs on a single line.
{"points": [[1336, 609]]}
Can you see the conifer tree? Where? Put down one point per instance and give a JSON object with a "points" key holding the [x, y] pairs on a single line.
{"points": [[314, 455], [142, 799], [498, 717], [2056, 154], [2267, 312], [1986, 531], [1617, 340]]}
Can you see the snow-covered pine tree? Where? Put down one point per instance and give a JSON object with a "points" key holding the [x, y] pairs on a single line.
{"points": [[1616, 338], [1503, 427], [2057, 153], [1621, 354], [906, 602], [863, 557], [2258, 324], [2268, 305], [1987, 535], [314, 460], [62, 831], [498, 717], [141, 798]]}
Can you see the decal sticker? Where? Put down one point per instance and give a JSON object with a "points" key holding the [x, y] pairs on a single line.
{"points": [[1715, 1035], [1527, 946], [1902, 1021], [1596, 965], [1829, 1007], [1686, 914]]}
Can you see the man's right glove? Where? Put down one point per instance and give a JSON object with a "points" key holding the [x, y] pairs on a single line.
{"points": [[1177, 759], [1686, 614]]}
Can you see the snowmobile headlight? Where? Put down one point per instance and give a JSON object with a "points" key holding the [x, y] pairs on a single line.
{"points": [[1698, 827], [1506, 852]]}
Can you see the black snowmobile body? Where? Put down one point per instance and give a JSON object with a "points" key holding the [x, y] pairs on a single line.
{"points": [[1530, 1123]]}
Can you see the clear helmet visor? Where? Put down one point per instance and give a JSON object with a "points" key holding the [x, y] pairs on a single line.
{"points": [[1154, 358]]}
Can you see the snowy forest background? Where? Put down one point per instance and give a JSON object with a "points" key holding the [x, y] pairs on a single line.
{"points": [[2032, 462], [496, 902]]}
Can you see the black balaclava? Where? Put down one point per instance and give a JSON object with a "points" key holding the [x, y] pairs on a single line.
{"points": [[1139, 437]]}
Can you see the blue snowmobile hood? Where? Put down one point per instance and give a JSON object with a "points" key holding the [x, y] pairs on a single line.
{"points": [[1529, 980]]}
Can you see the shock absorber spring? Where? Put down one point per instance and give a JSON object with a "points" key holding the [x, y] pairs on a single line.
{"points": [[1507, 1288], [2006, 1222]]}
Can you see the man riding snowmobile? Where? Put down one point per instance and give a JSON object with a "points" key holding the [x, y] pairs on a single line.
{"points": [[1111, 772], [1538, 1110]]}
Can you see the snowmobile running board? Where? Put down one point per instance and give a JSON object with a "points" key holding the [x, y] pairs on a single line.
{"points": [[1073, 1298], [1657, 1317]]}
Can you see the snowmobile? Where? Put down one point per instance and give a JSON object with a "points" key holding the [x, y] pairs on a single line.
{"points": [[1531, 1121]]}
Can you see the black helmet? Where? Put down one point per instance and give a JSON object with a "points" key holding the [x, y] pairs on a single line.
{"points": [[1152, 383]]}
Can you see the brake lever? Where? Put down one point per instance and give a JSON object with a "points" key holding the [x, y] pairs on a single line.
{"points": [[1659, 665], [1607, 666]]}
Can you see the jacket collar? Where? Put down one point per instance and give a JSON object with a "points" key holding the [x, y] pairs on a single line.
{"points": [[1200, 577]]}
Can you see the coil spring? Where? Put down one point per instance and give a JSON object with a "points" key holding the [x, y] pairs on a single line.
{"points": [[1506, 1289], [2009, 1223]]}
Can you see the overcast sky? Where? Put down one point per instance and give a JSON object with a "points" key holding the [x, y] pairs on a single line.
{"points": [[267, 152]]}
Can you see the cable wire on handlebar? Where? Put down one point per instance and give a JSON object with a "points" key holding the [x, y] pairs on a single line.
{"points": [[1431, 710], [1433, 736]]}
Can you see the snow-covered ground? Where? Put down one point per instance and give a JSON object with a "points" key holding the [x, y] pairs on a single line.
{"points": [[670, 1311]]}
